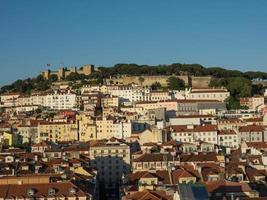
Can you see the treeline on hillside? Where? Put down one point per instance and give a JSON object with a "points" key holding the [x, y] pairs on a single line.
{"points": [[238, 87], [177, 69], [237, 82], [29, 84], [40, 83]]}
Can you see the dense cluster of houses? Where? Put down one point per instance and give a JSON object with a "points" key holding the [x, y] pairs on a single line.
{"points": [[132, 142]]}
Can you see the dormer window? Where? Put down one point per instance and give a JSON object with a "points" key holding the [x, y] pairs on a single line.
{"points": [[30, 192], [72, 190], [51, 191]]}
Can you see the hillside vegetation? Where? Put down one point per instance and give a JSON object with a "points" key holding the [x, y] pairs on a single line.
{"points": [[238, 83]]}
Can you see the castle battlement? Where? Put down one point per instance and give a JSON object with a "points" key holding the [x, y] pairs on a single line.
{"points": [[62, 73]]}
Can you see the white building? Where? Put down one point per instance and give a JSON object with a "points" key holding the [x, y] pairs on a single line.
{"points": [[191, 119], [8, 99], [60, 100], [191, 133], [113, 127], [130, 93], [179, 94], [159, 96], [228, 138], [207, 94], [254, 103], [57, 100], [33, 99]]}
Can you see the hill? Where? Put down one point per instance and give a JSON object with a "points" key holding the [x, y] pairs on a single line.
{"points": [[239, 83]]}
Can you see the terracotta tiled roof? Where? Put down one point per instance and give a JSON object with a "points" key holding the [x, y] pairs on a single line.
{"points": [[40, 190], [180, 173], [41, 144], [198, 128], [194, 116], [149, 195], [210, 91], [257, 145], [229, 121], [157, 157], [150, 144], [258, 119], [227, 186], [201, 157], [252, 173], [251, 128], [227, 132]]}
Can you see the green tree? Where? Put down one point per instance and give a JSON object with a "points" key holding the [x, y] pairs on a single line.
{"points": [[53, 78], [175, 83], [75, 76], [156, 86], [239, 87], [141, 80], [232, 103]]}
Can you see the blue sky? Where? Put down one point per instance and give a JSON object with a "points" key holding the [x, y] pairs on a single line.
{"points": [[231, 34]]}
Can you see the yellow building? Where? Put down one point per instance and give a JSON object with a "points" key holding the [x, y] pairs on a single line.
{"points": [[151, 135], [57, 131], [109, 127], [9, 139], [87, 128], [109, 101]]}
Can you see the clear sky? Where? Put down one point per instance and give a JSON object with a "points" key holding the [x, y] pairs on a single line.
{"points": [[228, 33]]}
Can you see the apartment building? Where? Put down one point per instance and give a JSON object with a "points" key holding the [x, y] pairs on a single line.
{"points": [[109, 101], [159, 95], [207, 94], [29, 133], [228, 138], [195, 106], [108, 127], [57, 131], [9, 99], [56, 100], [192, 119], [254, 103], [87, 127], [112, 159], [36, 98], [252, 133], [9, 139], [229, 124], [130, 93], [152, 134], [168, 104], [60, 100], [157, 161], [194, 133]]}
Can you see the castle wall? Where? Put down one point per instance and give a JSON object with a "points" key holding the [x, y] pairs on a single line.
{"points": [[145, 80], [200, 81]]}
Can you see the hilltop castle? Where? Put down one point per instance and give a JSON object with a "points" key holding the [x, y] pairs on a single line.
{"points": [[62, 73]]}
